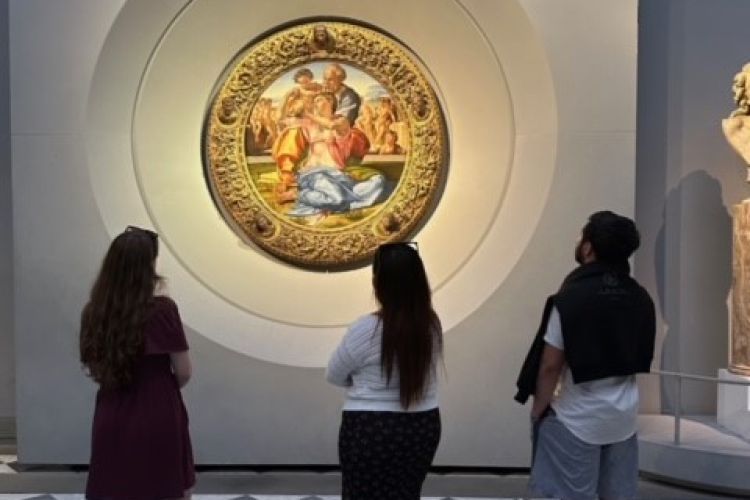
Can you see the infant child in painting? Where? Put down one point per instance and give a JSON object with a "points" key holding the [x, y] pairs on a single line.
{"points": [[306, 88]]}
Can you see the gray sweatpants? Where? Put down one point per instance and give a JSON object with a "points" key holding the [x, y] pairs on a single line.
{"points": [[568, 468]]}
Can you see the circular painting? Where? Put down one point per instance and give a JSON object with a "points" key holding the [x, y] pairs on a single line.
{"points": [[324, 141]]}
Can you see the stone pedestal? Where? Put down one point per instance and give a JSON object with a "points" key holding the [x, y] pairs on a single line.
{"points": [[739, 340], [733, 407]]}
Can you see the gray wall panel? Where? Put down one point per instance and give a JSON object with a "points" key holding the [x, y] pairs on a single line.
{"points": [[687, 180], [7, 375]]}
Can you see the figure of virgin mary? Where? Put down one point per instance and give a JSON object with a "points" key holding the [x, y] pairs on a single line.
{"points": [[312, 155]]}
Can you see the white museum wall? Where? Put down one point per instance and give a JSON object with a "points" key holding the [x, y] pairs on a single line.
{"points": [[687, 179], [572, 152], [7, 373]]}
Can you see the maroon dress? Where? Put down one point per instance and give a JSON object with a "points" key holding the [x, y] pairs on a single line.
{"points": [[140, 446]]}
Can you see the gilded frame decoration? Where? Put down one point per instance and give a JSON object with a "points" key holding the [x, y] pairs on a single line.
{"points": [[267, 184]]}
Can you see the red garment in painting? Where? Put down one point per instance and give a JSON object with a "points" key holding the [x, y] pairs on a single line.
{"points": [[293, 145], [140, 441]]}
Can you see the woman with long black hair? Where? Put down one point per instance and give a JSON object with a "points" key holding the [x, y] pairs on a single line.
{"points": [[390, 426], [133, 345]]}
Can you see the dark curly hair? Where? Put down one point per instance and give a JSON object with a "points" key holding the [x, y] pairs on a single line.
{"points": [[303, 72], [112, 322], [613, 237]]}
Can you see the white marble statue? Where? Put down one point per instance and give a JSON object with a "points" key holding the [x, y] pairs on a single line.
{"points": [[737, 127]]}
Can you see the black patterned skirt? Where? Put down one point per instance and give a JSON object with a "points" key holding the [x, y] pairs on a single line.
{"points": [[385, 455]]}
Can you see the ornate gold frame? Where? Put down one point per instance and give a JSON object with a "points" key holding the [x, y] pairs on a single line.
{"points": [[224, 144]]}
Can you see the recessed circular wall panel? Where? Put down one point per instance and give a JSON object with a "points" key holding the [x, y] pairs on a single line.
{"points": [[146, 146]]}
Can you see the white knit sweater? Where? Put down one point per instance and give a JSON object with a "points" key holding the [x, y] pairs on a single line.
{"points": [[356, 365]]}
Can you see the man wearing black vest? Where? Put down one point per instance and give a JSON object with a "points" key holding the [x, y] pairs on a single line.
{"points": [[596, 333]]}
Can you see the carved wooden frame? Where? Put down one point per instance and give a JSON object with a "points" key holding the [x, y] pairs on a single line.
{"points": [[224, 144]]}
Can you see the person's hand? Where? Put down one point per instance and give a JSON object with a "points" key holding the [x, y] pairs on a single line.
{"points": [[534, 426], [537, 414]]}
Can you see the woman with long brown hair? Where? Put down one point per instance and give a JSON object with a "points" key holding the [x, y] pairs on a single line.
{"points": [[132, 344], [390, 427]]}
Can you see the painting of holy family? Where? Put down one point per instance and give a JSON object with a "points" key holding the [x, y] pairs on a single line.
{"points": [[324, 140], [325, 146]]}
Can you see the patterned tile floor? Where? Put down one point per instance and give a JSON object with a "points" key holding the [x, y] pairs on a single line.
{"points": [[485, 486], [223, 497], [5, 468]]}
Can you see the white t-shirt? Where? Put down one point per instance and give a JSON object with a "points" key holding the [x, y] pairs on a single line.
{"points": [[598, 412]]}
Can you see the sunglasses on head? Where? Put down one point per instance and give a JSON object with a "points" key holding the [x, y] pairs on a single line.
{"points": [[151, 234], [412, 244]]}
